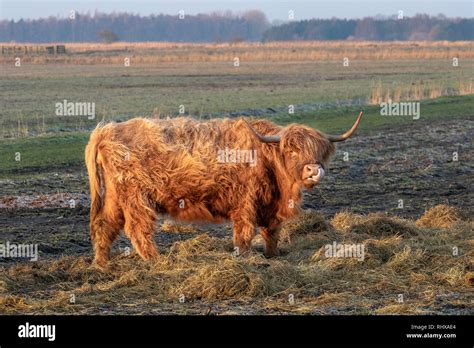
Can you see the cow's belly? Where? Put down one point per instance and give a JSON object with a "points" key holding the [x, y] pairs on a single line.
{"points": [[199, 212]]}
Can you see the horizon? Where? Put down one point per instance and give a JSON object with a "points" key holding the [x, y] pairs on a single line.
{"points": [[274, 10]]}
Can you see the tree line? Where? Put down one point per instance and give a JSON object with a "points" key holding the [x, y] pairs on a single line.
{"points": [[212, 27], [419, 27], [219, 27]]}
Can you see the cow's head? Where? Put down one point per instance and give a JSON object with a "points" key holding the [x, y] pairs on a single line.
{"points": [[305, 151]]}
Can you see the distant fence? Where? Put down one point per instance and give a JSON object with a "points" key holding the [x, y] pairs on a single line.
{"points": [[33, 50]]}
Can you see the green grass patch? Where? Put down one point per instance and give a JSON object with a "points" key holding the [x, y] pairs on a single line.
{"points": [[337, 120], [52, 151]]}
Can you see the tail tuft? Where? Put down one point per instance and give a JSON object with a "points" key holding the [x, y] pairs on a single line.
{"points": [[94, 170]]}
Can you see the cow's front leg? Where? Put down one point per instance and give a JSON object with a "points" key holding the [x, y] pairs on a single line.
{"points": [[271, 235], [244, 219], [243, 235], [244, 231]]}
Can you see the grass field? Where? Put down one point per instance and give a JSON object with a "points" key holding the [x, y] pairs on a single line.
{"points": [[216, 87], [169, 52], [392, 158]]}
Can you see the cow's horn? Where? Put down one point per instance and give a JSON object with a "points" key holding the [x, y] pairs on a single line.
{"points": [[264, 138], [346, 135]]}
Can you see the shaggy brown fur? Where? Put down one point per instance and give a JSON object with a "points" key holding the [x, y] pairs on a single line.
{"points": [[142, 168]]}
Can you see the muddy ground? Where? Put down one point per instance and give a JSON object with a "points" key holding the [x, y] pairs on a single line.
{"points": [[414, 164]]}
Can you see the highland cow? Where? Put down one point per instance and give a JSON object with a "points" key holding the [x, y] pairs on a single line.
{"points": [[142, 168]]}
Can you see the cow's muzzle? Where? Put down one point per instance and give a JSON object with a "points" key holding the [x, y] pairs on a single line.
{"points": [[313, 173]]}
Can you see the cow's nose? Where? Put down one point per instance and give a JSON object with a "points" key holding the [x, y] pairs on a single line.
{"points": [[311, 169]]}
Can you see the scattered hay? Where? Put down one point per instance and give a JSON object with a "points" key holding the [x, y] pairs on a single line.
{"points": [[454, 276], [335, 263], [198, 245], [375, 252], [129, 278], [170, 226], [406, 260], [322, 304], [302, 248], [469, 279], [402, 308], [10, 302], [375, 224], [332, 298], [307, 222], [380, 251], [219, 281], [441, 216], [344, 221], [398, 258], [378, 224], [283, 277]]}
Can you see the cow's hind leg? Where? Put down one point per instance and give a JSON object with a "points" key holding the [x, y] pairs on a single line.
{"points": [[140, 226], [270, 236], [105, 228]]}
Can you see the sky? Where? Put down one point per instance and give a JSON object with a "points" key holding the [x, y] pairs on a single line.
{"points": [[274, 9]]}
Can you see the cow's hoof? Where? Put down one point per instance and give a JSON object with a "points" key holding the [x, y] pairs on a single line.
{"points": [[239, 252], [272, 253], [100, 266]]}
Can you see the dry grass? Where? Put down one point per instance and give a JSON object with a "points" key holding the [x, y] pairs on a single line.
{"points": [[402, 257], [170, 226], [375, 224], [441, 216], [219, 281], [305, 223], [344, 220], [416, 91], [167, 52]]}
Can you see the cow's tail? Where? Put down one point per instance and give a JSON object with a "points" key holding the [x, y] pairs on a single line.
{"points": [[95, 171]]}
